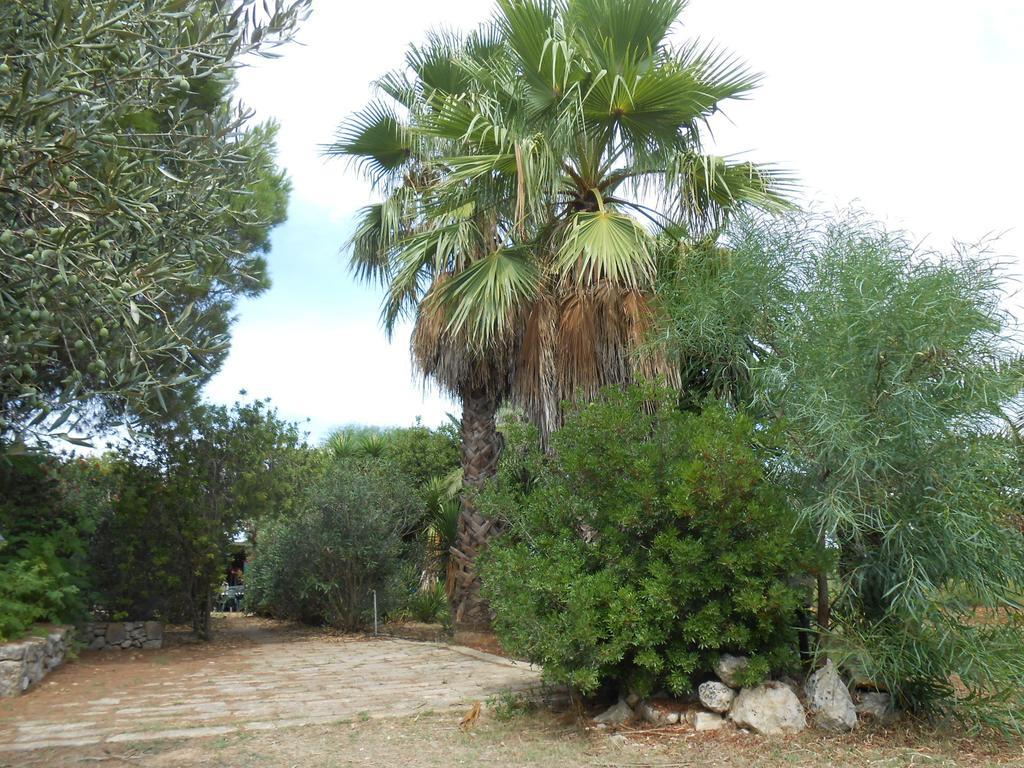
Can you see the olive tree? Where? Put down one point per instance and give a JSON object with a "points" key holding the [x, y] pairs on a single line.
{"points": [[136, 197]]}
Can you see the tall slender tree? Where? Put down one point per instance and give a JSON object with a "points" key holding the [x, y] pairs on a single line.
{"points": [[535, 177]]}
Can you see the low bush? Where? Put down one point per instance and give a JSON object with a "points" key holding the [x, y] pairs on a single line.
{"points": [[429, 605], [650, 543], [35, 585], [349, 539], [43, 569]]}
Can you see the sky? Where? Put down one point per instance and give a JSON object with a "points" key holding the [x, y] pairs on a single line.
{"points": [[910, 110]]}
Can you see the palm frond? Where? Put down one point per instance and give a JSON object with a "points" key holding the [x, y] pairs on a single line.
{"points": [[606, 246], [484, 299], [720, 74], [397, 85], [653, 108], [376, 140], [368, 246], [436, 64], [543, 54], [703, 189], [621, 35]]}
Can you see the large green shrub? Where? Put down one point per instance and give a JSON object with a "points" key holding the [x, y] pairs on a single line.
{"points": [[135, 557], [420, 453], [348, 540], [43, 564], [178, 497], [651, 543]]}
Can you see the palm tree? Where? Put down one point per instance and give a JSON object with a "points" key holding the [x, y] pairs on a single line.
{"points": [[535, 177]]}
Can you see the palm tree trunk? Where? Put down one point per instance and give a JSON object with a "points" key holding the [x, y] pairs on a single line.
{"points": [[481, 447]]}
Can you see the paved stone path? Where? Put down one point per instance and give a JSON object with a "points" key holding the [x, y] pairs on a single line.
{"points": [[269, 679]]}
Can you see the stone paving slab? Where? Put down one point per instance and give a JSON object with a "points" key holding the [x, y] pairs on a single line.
{"points": [[266, 685]]}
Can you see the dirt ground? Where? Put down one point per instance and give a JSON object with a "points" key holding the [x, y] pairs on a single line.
{"points": [[540, 740], [320, 720]]}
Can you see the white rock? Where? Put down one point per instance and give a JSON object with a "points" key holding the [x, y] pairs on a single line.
{"points": [[656, 715], [13, 651], [877, 706], [708, 721], [770, 709], [10, 677], [829, 700], [717, 697], [617, 714], [728, 666]]}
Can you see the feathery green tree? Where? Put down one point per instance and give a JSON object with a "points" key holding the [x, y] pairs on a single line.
{"points": [[889, 370]]}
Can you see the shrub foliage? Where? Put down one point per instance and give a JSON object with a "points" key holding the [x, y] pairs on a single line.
{"points": [[650, 544], [348, 540]]}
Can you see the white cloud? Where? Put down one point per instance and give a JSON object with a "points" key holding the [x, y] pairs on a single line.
{"points": [[911, 108], [334, 372], [314, 86]]}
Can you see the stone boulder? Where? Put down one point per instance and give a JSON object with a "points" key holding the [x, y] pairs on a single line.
{"points": [[13, 651], [116, 634], [708, 721], [154, 632], [617, 714], [770, 709], [10, 677], [829, 700], [728, 667], [32, 671], [876, 706], [655, 714], [717, 697]]}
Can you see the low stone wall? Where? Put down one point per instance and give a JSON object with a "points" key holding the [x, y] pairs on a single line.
{"points": [[26, 662], [117, 635]]}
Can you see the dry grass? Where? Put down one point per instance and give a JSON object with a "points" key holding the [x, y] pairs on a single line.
{"points": [[538, 741]]}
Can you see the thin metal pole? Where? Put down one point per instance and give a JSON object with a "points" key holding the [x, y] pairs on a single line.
{"points": [[374, 612]]}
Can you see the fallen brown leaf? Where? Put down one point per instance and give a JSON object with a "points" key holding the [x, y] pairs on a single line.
{"points": [[471, 717]]}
